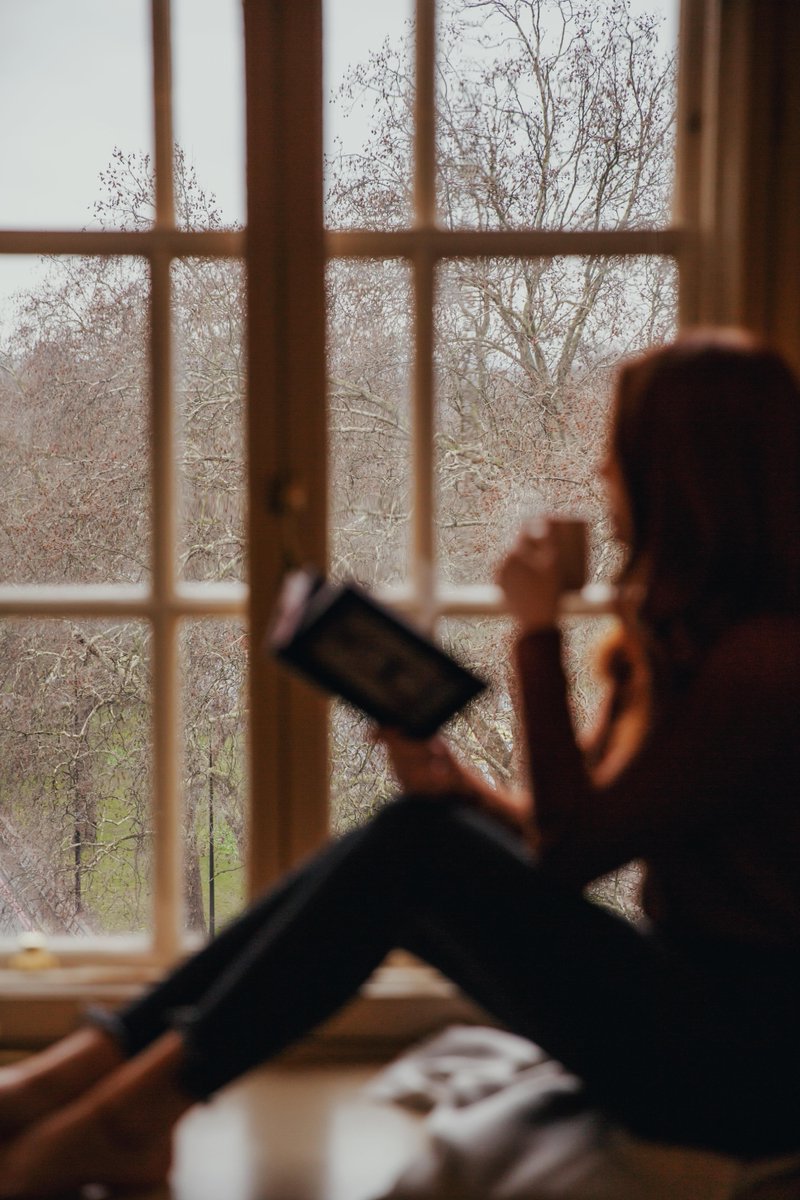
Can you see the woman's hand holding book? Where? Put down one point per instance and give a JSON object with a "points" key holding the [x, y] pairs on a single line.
{"points": [[429, 767]]}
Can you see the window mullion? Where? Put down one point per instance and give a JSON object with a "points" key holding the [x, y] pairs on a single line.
{"points": [[502, 243], [423, 566], [166, 746], [423, 571], [696, 121], [286, 431], [162, 114], [166, 749], [425, 115]]}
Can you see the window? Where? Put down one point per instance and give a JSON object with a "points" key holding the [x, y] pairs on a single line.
{"points": [[524, 217], [420, 263], [123, 597], [456, 257]]}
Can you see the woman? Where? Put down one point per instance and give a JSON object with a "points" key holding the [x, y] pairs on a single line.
{"points": [[684, 1028]]}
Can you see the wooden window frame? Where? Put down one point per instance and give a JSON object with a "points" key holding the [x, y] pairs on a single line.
{"points": [[288, 360], [165, 600], [724, 235]]}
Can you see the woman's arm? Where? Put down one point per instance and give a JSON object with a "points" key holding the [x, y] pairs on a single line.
{"points": [[530, 579], [724, 737]]}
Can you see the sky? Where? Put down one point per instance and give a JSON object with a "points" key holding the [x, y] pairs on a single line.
{"points": [[75, 84]]}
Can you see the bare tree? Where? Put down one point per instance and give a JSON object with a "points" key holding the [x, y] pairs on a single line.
{"points": [[551, 114], [75, 507]]}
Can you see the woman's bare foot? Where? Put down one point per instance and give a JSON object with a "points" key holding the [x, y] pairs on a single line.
{"points": [[36, 1086], [39, 1085], [117, 1133], [50, 1162]]}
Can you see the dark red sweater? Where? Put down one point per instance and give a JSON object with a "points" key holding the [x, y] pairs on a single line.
{"points": [[710, 803]]}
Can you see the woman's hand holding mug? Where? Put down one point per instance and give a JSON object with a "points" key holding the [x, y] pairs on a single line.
{"points": [[548, 558]]}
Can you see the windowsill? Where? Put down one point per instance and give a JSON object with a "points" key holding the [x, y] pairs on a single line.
{"points": [[399, 1004]]}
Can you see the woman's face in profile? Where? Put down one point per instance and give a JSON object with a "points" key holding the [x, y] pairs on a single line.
{"points": [[617, 498]]}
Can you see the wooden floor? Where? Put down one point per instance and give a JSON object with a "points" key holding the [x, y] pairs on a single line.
{"points": [[292, 1133], [310, 1133]]}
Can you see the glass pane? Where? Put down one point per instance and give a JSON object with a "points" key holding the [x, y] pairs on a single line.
{"points": [[368, 365], [74, 475], [555, 118], [369, 89], [584, 638], [214, 663], [620, 891], [75, 94], [485, 733], [208, 297], [208, 85], [526, 355], [489, 735], [361, 781], [75, 755], [583, 643]]}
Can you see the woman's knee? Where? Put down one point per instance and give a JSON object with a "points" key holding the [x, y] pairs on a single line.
{"points": [[415, 819], [432, 825]]}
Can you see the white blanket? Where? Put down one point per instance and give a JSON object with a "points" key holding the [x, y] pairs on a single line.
{"points": [[507, 1123]]}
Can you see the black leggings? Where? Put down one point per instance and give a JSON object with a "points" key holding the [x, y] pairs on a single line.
{"points": [[660, 1037]]}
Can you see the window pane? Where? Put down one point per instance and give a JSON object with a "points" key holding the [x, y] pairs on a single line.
{"points": [[75, 811], [583, 643], [368, 365], [74, 476], [208, 296], [490, 736], [361, 781], [485, 733], [208, 86], [213, 660], [369, 90], [75, 98], [526, 354], [555, 118], [583, 640]]}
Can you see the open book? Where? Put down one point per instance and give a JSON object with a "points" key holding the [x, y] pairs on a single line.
{"points": [[339, 637]]}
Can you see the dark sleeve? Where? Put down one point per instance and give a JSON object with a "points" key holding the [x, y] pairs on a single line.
{"points": [[691, 770]]}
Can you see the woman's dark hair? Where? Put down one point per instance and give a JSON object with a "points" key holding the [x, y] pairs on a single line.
{"points": [[706, 436]]}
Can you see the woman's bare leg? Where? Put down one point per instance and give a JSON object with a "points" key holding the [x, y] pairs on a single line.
{"points": [[41, 1083], [117, 1133], [34, 1087]]}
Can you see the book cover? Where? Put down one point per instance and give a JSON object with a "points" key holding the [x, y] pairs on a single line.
{"points": [[342, 639]]}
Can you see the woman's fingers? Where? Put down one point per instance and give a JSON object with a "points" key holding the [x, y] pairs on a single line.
{"points": [[530, 557], [530, 579]]}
